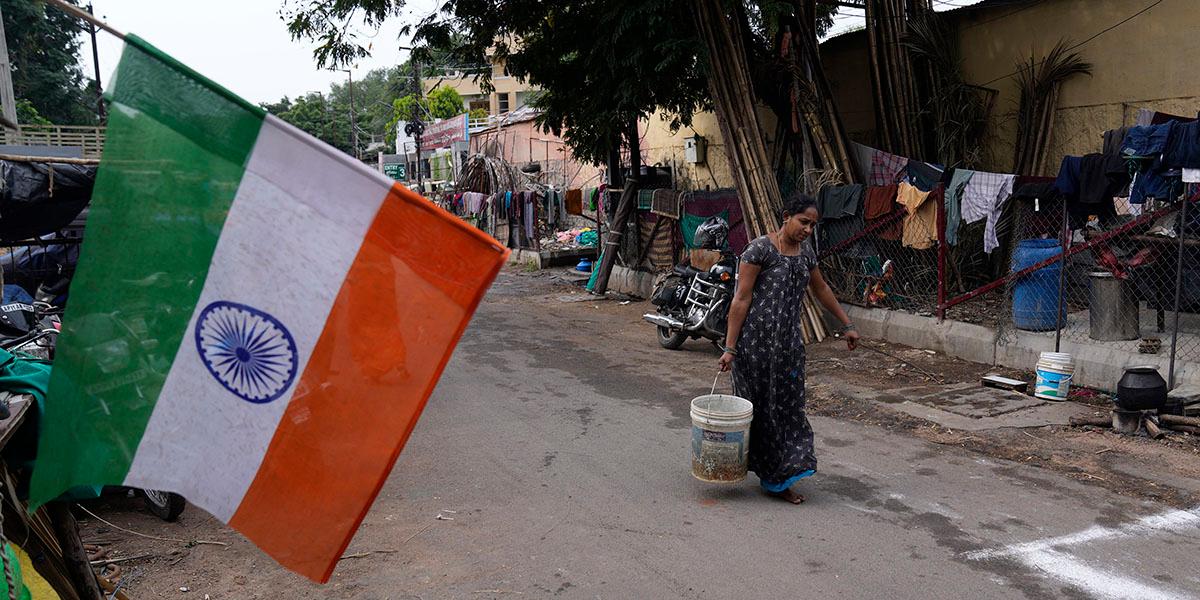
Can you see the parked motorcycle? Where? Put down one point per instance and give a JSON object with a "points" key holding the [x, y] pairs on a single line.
{"points": [[32, 329], [694, 303]]}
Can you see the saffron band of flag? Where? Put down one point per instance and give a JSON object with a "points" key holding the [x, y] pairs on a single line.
{"points": [[257, 320]]}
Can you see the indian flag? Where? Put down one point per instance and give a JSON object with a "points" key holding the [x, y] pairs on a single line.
{"points": [[257, 320]]}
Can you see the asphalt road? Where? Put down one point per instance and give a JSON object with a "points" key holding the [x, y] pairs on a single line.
{"points": [[556, 452], [565, 464]]}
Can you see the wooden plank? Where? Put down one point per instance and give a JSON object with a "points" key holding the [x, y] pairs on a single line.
{"points": [[18, 409]]}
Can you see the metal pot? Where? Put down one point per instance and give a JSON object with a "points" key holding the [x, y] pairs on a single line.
{"points": [[1141, 388]]}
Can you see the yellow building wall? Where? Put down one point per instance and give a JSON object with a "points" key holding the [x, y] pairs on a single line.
{"points": [[660, 146], [1147, 62], [466, 86]]}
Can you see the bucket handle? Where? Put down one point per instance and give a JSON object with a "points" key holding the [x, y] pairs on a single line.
{"points": [[714, 386]]}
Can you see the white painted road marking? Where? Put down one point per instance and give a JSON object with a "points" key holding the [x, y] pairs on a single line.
{"points": [[1047, 556]]}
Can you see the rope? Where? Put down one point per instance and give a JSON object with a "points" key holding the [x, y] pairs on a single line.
{"points": [[8, 570]]}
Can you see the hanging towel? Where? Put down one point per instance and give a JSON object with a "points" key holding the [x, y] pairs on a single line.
{"points": [[954, 194], [575, 202], [984, 198], [645, 199], [666, 203]]}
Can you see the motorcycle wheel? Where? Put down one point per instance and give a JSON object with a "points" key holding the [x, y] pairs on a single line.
{"points": [[669, 340], [165, 505]]}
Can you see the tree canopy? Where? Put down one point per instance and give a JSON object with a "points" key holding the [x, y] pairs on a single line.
{"points": [[44, 51], [440, 103], [601, 64], [326, 115]]}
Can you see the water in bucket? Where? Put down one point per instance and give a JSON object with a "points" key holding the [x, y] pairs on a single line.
{"points": [[720, 437]]}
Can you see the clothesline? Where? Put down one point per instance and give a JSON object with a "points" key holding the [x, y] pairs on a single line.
{"points": [[1147, 160]]}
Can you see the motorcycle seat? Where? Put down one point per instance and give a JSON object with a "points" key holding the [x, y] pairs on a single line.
{"points": [[686, 271]]}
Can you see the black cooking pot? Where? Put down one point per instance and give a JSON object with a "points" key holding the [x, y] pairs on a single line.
{"points": [[1141, 388]]}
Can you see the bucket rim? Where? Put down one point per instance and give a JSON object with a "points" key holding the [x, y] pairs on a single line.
{"points": [[747, 407], [1056, 356]]}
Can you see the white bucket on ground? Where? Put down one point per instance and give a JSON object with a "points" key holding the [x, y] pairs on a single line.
{"points": [[720, 437], [1054, 373]]}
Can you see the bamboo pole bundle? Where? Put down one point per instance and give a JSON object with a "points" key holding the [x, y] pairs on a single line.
{"points": [[734, 101]]}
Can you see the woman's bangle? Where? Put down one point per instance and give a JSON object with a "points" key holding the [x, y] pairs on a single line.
{"points": [[729, 350], [847, 327]]}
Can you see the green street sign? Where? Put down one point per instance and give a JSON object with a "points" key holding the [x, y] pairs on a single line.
{"points": [[395, 171]]}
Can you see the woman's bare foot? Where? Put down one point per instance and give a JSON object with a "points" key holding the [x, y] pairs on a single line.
{"points": [[789, 495]]}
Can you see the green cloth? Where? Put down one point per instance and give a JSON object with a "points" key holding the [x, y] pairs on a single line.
{"points": [[591, 284], [24, 375], [689, 223], [645, 199], [588, 238], [15, 563], [32, 376]]}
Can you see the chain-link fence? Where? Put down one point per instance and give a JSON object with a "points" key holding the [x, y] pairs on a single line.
{"points": [[1122, 278], [878, 245], [1127, 282]]}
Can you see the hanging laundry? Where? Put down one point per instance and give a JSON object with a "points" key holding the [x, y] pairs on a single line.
{"points": [[954, 194], [863, 159], [984, 198], [1114, 139], [922, 175], [1101, 178], [666, 203], [575, 202], [530, 215], [840, 209], [1147, 142], [920, 225], [1183, 146], [886, 168], [645, 199], [881, 204], [1067, 182], [1152, 184]]}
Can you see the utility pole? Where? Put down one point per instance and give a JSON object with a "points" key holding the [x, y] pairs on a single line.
{"points": [[100, 108], [8, 100], [415, 126], [353, 128]]}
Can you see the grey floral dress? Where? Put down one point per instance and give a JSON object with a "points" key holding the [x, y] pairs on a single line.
{"points": [[769, 368]]}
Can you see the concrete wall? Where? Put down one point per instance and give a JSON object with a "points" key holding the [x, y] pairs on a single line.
{"points": [[521, 143], [1143, 63], [661, 146]]}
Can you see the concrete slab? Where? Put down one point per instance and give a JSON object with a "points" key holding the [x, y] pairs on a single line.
{"points": [[981, 402], [970, 407]]}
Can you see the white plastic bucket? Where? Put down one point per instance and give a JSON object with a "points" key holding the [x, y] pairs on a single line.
{"points": [[720, 437], [1054, 373]]}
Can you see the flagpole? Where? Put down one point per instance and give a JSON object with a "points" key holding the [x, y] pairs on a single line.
{"points": [[79, 13]]}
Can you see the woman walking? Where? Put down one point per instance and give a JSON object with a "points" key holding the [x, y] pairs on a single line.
{"points": [[765, 346]]}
